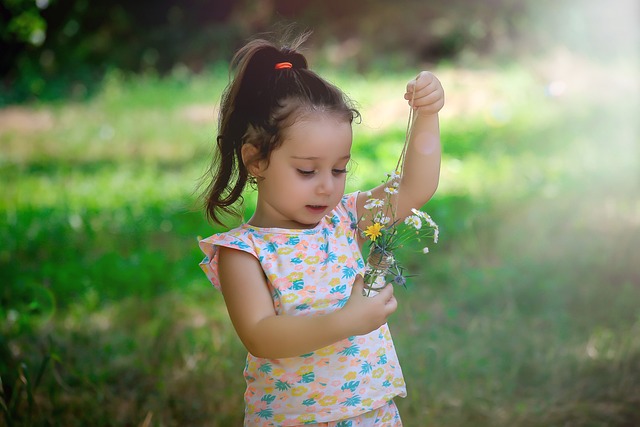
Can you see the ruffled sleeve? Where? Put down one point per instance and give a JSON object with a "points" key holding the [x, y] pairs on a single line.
{"points": [[235, 239]]}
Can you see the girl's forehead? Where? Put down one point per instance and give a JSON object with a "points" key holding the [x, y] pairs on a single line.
{"points": [[319, 135]]}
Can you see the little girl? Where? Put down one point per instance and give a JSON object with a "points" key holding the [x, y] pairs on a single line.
{"points": [[320, 352]]}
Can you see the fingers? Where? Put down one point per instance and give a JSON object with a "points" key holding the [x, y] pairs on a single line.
{"points": [[428, 92], [390, 302]]}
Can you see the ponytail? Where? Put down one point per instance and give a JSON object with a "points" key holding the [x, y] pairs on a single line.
{"points": [[256, 107]]}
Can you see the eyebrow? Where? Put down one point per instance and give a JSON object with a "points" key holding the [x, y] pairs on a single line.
{"points": [[348, 156]]}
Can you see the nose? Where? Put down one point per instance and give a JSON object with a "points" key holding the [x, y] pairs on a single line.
{"points": [[325, 184]]}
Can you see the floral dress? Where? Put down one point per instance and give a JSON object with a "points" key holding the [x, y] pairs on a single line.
{"points": [[311, 272]]}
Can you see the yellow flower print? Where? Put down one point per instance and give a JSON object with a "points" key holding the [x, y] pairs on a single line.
{"points": [[299, 391], [326, 351], [334, 281], [304, 370], [312, 260], [306, 418], [377, 373], [367, 402], [289, 298], [342, 259], [398, 382], [323, 303], [328, 401], [296, 275], [373, 231], [350, 376], [279, 418], [285, 250], [364, 352]]}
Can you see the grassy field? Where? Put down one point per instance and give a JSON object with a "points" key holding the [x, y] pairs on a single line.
{"points": [[527, 313]]}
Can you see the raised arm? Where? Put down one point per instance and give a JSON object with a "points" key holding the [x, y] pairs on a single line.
{"points": [[268, 335], [422, 160]]}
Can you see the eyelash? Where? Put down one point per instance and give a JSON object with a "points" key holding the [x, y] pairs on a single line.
{"points": [[310, 173]]}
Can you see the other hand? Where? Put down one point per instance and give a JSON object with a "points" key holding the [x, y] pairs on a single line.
{"points": [[365, 314], [429, 94]]}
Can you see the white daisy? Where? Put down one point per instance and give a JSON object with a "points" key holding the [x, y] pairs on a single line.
{"points": [[391, 190], [413, 220], [373, 203]]}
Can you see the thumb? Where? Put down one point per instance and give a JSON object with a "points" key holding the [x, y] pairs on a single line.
{"points": [[358, 285]]}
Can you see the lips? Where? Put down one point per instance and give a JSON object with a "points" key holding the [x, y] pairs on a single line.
{"points": [[317, 208]]}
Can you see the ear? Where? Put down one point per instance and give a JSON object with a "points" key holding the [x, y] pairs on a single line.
{"points": [[250, 159]]}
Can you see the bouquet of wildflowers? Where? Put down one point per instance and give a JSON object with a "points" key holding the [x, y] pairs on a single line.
{"points": [[388, 233]]}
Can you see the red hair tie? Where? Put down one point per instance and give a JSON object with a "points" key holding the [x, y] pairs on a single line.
{"points": [[283, 65]]}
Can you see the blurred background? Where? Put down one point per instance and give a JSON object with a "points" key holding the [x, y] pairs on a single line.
{"points": [[527, 313]]}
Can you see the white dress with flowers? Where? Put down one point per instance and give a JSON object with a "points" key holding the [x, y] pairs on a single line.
{"points": [[310, 272]]}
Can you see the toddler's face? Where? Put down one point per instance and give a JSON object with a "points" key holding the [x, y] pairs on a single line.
{"points": [[305, 176]]}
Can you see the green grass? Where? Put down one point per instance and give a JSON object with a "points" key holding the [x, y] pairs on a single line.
{"points": [[526, 313]]}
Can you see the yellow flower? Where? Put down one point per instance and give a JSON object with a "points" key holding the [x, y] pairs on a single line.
{"points": [[306, 418], [328, 400], [398, 382], [373, 231], [299, 391], [350, 376]]}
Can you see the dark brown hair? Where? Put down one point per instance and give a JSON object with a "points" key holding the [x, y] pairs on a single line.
{"points": [[257, 105]]}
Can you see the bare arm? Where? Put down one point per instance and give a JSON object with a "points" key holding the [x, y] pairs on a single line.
{"points": [[268, 335], [422, 160]]}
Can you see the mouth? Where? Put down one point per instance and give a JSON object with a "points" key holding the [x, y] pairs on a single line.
{"points": [[317, 208]]}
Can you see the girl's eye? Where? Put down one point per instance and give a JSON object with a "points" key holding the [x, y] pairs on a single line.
{"points": [[339, 171], [305, 173]]}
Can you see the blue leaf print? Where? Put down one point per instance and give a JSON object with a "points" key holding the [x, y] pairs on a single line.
{"points": [[360, 263], [387, 383], [296, 260], [271, 247], [344, 423], [293, 240], [265, 368], [352, 401], [304, 356], [282, 385], [351, 385], [366, 368], [297, 285], [331, 257], [309, 402], [348, 272], [268, 398], [265, 413], [341, 302], [309, 377], [324, 247], [382, 359], [335, 220], [240, 244], [339, 288], [301, 307], [352, 350]]}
